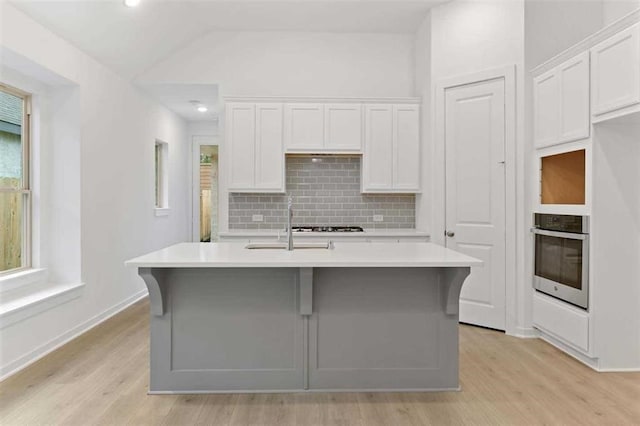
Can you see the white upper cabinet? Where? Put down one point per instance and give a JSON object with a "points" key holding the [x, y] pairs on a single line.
{"points": [[561, 103], [304, 127], [573, 77], [546, 109], [343, 127], [269, 147], [406, 148], [391, 160], [254, 140], [322, 127], [377, 161], [615, 71], [240, 128]]}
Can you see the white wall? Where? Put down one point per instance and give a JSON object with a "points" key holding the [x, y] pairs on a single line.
{"points": [[116, 130], [468, 37], [294, 64], [612, 10], [553, 26], [423, 81]]}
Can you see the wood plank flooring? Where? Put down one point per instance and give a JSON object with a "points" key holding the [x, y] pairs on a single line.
{"points": [[101, 378]]}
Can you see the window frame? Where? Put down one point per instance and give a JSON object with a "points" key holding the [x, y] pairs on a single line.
{"points": [[161, 177], [25, 187]]}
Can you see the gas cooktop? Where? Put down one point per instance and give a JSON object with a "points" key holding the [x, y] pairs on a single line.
{"points": [[327, 229]]}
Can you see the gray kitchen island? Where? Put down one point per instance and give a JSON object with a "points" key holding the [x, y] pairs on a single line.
{"points": [[358, 316]]}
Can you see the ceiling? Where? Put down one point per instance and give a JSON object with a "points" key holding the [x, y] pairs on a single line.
{"points": [[131, 40], [178, 97]]}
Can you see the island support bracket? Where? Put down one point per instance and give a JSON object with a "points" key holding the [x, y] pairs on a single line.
{"points": [[154, 279], [450, 287]]}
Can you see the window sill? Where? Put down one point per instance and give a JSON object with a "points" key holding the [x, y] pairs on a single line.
{"points": [[19, 309], [163, 211], [23, 278]]}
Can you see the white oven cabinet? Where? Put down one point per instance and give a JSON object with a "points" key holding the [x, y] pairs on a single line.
{"points": [[323, 127], [615, 71], [254, 137], [391, 160], [561, 103]]}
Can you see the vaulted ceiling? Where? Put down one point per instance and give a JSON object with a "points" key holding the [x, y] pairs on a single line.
{"points": [[131, 40]]}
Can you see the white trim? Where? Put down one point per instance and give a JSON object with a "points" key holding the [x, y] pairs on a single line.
{"points": [[553, 341], [407, 100], [512, 147], [162, 211], [618, 370], [22, 278], [526, 333], [323, 390], [34, 303], [24, 361]]}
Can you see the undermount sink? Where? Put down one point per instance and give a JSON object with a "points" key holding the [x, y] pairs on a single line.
{"points": [[283, 246]]}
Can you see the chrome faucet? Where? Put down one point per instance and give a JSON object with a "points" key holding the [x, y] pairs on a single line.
{"points": [[289, 220]]}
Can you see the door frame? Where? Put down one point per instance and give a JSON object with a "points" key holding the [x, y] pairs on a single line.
{"points": [[508, 73], [196, 142]]}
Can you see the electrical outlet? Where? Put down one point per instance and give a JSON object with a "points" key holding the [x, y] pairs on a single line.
{"points": [[257, 218], [378, 218]]}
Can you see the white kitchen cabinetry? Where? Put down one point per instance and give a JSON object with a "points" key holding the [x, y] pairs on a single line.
{"points": [[304, 127], [391, 160], [343, 127], [561, 103], [615, 70], [254, 140], [323, 127]]}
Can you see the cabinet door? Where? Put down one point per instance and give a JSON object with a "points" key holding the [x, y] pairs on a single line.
{"points": [[546, 109], [269, 155], [573, 77], [304, 127], [377, 173], [343, 127], [615, 70], [406, 148], [240, 137]]}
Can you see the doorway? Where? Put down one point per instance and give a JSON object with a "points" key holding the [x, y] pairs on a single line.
{"points": [[205, 189], [475, 195], [475, 140]]}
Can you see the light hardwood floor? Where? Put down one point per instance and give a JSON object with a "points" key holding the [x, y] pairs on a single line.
{"points": [[101, 379]]}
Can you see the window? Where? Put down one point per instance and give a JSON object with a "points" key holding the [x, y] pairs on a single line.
{"points": [[15, 194], [161, 176]]}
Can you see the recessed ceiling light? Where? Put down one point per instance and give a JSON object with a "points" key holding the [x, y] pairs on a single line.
{"points": [[202, 108], [131, 3]]}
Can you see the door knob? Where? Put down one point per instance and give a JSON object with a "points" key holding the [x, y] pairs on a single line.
{"points": [[450, 234]]}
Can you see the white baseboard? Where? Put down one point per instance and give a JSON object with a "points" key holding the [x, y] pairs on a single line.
{"points": [[619, 370], [573, 353], [524, 333], [53, 344]]}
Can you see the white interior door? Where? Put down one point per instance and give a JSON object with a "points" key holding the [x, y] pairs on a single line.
{"points": [[475, 194]]}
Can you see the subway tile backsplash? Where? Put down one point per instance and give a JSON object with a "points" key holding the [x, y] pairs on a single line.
{"points": [[326, 191]]}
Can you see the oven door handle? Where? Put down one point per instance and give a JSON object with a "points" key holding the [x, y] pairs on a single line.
{"points": [[558, 234]]}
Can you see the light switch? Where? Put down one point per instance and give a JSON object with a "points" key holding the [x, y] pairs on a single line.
{"points": [[257, 218], [378, 218]]}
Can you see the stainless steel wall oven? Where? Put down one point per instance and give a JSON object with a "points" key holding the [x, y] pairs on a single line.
{"points": [[561, 264]]}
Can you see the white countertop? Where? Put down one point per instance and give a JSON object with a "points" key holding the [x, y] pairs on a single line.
{"points": [[235, 255], [368, 232]]}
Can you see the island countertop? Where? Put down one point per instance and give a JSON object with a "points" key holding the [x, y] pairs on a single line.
{"points": [[365, 255]]}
